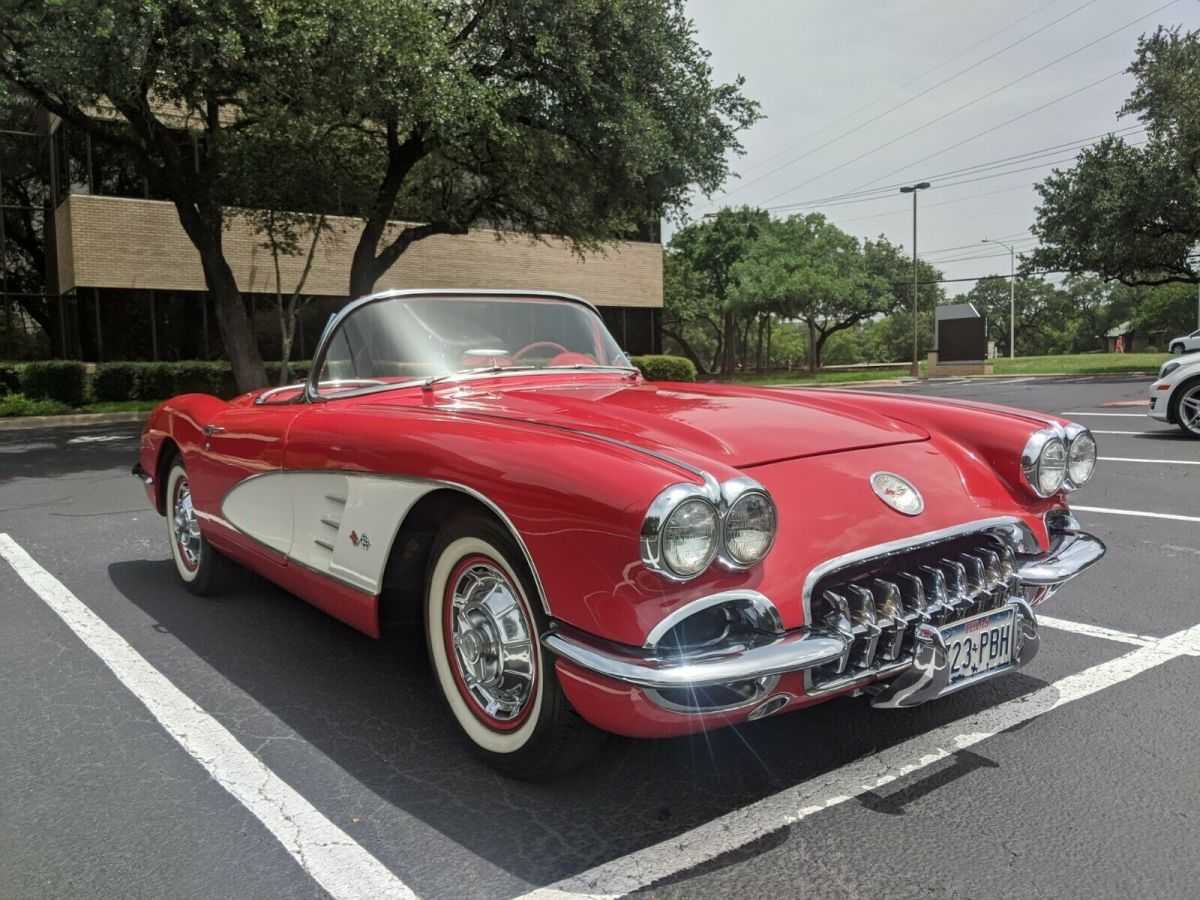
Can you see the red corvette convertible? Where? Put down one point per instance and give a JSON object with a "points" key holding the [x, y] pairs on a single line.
{"points": [[593, 553]]}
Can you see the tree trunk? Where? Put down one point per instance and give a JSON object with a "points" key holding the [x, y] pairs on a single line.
{"points": [[812, 346], [237, 331], [758, 359], [688, 350], [729, 339]]}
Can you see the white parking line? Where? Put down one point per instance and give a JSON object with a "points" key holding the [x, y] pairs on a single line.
{"points": [[1114, 415], [1164, 462], [738, 828], [339, 864], [1096, 631], [1133, 512], [1097, 431]]}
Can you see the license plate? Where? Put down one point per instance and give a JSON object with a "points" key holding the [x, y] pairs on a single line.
{"points": [[979, 644]]}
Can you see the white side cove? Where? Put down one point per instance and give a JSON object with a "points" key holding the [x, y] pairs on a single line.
{"points": [[337, 523]]}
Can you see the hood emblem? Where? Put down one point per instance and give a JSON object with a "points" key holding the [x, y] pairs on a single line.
{"points": [[897, 493]]}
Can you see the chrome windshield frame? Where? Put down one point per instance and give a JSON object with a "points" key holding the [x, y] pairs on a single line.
{"points": [[311, 384]]}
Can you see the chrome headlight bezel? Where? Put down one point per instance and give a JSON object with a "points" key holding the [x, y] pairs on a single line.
{"points": [[1032, 457], [1035, 448], [721, 498], [1074, 432]]}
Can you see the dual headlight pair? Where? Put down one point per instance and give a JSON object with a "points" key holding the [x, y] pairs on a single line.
{"points": [[688, 526], [1059, 459]]}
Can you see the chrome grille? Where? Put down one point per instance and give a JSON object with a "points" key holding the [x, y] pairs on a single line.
{"points": [[878, 603]]}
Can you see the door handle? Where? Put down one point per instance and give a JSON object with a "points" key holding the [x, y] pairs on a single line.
{"points": [[210, 430]]}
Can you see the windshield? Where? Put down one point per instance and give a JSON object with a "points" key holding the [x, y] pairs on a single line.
{"points": [[409, 338]]}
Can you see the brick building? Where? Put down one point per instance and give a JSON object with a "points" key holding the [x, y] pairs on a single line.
{"points": [[121, 280]]}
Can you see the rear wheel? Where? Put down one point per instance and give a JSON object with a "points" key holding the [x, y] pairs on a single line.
{"points": [[483, 631], [1187, 410], [199, 565], [1177, 349]]}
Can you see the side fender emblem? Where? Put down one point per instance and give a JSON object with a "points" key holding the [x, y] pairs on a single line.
{"points": [[897, 493], [360, 540]]}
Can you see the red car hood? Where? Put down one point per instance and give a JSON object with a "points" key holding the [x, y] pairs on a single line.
{"points": [[739, 427]]}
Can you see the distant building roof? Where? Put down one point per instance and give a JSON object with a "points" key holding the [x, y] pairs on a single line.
{"points": [[1119, 330], [955, 311]]}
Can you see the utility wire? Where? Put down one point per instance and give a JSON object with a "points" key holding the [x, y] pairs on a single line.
{"points": [[893, 93], [978, 99], [911, 99], [1029, 155]]}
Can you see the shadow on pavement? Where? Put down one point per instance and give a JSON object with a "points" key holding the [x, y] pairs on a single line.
{"points": [[373, 708]]}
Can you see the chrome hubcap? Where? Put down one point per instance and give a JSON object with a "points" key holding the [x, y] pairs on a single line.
{"points": [[185, 525], [1189, 410], [492, 642]]}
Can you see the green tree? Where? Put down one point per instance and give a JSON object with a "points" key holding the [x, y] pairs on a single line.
{"points": [[701, 280], [1133, 213], [585, 119], [808, 269]]}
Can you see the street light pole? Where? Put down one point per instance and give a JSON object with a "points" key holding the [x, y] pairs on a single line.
{"points": [[1012, 295], [912, 189]]}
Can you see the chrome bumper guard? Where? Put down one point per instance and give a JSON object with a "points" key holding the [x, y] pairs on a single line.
{"points": [[922, 677]]}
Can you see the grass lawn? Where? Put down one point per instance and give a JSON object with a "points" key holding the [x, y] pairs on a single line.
{"points": [[1081, 364], [800, 376], [1065, 364], [115, 406]]}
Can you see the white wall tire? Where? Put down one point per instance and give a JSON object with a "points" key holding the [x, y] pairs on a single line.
{"points": [[535, 733], [199, 566]]}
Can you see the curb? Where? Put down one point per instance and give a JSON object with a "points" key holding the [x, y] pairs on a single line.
{"points": [[17, 423]]}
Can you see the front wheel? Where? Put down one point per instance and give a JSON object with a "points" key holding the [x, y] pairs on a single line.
{"points": [[483, 632], [200, 566], [1188, 410], [1177, 349]]}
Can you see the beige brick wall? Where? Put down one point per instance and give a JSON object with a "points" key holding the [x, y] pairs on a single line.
{"points": [[64, 249], [123, 243]]}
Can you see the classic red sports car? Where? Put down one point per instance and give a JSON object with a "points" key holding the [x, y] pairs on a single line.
{"points": [[593, 552]]}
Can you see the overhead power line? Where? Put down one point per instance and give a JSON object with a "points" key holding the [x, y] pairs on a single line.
{"points": [[911, 99], [976, 100], [1027, 156], [816, 134]]}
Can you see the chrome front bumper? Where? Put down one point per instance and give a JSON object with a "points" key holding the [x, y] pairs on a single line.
{"points": [[913, 681]]}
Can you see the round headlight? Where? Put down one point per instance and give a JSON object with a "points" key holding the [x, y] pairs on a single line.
{"points": [[689, 537], [1052, 467], [1081, 458], [750, 528]]}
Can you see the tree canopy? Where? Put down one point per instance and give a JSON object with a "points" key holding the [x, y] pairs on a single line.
{"points": [[1132, 213], [585, 120]]}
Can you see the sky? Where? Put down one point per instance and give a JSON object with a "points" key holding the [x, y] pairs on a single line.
{"points": [[867, 95]]}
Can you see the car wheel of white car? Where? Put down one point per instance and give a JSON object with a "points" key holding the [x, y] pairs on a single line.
{"points": [[483, 630], [1187, 410], [1177, 349], [199, 565]]}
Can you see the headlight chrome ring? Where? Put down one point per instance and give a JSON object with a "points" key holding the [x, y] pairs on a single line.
{"points": [[1058, 459], [1081, 456], [737, 509]]}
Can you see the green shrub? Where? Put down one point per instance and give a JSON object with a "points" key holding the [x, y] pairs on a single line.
{"points": [[155, 381], [195, 377], [666, 368], [17, 404], [298, 371], [115, 381], [10, 378], [55, 379]]}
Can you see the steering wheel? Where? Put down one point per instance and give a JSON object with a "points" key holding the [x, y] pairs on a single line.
{"points": [[537, 345]]}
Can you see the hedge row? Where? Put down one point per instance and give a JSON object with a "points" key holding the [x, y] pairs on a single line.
{"points": [[67, 381], [666, 368]]}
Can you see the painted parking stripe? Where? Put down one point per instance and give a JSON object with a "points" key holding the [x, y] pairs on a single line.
{"points": [[1134, 512], [1164, 462], [1113, 415], [1095, 631], [340, 865], [1138, 433], [738, 828]]}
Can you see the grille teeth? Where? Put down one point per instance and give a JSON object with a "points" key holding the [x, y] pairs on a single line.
{"points": [[866, 629], [878, 604]]}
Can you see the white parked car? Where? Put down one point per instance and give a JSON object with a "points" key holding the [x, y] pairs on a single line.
{"points": [[1185, 343], [1175, 396]]}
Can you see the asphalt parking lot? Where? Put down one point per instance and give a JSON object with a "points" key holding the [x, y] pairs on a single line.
{"points": [[306, 747]]}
